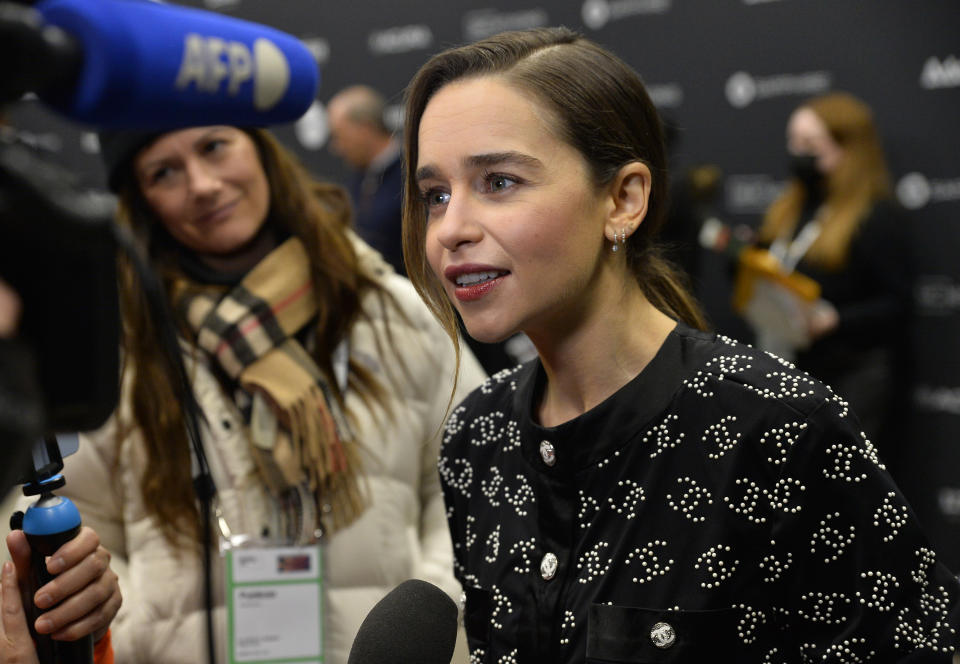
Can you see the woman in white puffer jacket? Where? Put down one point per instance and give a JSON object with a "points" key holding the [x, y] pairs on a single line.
{"points": [[242, 237]]}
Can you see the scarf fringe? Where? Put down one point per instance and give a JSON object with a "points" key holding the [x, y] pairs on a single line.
{"points": [[250, 331], [320, 459]]}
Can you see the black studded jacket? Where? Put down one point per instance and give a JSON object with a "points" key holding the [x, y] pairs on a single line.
{"points": [[722, 506]]}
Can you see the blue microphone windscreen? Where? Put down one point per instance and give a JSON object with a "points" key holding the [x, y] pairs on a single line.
{"points": [[151, 65]]}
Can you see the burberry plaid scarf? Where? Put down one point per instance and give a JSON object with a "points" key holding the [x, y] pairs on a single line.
{"points": [[300, 436]]}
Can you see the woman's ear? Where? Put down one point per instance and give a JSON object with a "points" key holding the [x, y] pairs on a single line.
{"points": [[629, 198]]}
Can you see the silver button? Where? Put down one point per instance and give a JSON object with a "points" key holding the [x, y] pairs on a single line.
{"points": [[662, 635], [548, 566], [547, 453]]}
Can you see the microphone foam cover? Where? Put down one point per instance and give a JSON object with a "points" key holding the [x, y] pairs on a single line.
{"points": [[415, 623]]}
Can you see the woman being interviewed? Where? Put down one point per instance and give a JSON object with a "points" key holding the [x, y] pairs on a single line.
{"points": [[322, 379], [643, 489]]}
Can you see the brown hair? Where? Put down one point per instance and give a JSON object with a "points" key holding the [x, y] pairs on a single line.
{"points": [[859, 181], [317, 213], [600, 108]]}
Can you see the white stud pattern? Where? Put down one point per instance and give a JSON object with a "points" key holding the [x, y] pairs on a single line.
{"points": [[717, 369], [927, 628], [591, 565], [492, 546], [509, 658], [470, 536], [790, 385], [891, 515], [503, 377], [455, 423], [492, 486], [691, 499], [627, 507], [608, 460], [774, 567], [524, 548], [501, 605], [782, 362], [722, 438], [832, 538], [524, 494], [847, 462], [727, 341], [927, 559], [827, 608], [458, 479], [568, 625], [487, 429], [880, 584], [850, 651], [773, 452], [750, 623], [512, 434], [588, 509], [844, 407], [786, 496], [782, 439], [718, 565], [747, 504], [650, 563], [773, 656], [663, 439]]}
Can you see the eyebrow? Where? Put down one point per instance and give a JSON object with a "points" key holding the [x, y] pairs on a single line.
{"points": [[205, 136], [484, 161]]}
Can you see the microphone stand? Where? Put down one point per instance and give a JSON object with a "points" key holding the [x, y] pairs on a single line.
{"points": [[49, 523]]}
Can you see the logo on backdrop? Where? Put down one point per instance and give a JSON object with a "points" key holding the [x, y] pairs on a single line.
{"points": [[742, 89], [751, 193], [312, 129], [940, 73], [483, 23], [220, 5], [320, 48], [393, 116], [949, 500], [666, 95], [401, 39], [936, 295], [916, 190], [597, 13], [938, 399]]}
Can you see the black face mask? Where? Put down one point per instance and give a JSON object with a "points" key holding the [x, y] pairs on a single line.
{"points": [[804, 168]]}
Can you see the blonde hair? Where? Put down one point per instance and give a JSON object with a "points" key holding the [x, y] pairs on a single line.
{"points": [[858, 182]]}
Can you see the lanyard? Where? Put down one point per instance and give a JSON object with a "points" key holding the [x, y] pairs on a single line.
{"points": [[790, 253]]}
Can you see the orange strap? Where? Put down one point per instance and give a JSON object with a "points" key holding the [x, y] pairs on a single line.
{"points": [[103, 650]]}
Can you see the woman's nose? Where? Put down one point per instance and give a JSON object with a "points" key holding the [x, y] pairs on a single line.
{"points": [[203, 179], [460, 223]]}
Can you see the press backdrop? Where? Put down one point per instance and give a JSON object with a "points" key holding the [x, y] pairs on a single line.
{"points": [[727, 73]]}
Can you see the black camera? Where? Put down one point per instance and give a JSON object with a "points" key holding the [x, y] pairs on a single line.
{"points": [[58, 252]]}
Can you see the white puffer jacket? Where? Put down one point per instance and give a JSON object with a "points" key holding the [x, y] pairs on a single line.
{"points": [[403, 534]]}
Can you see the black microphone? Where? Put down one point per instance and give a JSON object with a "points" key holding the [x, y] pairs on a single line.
{"points": [[416, 623]]}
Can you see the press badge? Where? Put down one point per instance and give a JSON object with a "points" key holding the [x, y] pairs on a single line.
{"points": [[275, 604]]}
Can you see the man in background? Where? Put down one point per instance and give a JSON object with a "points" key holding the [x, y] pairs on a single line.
{"points": [[362, 139]]}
